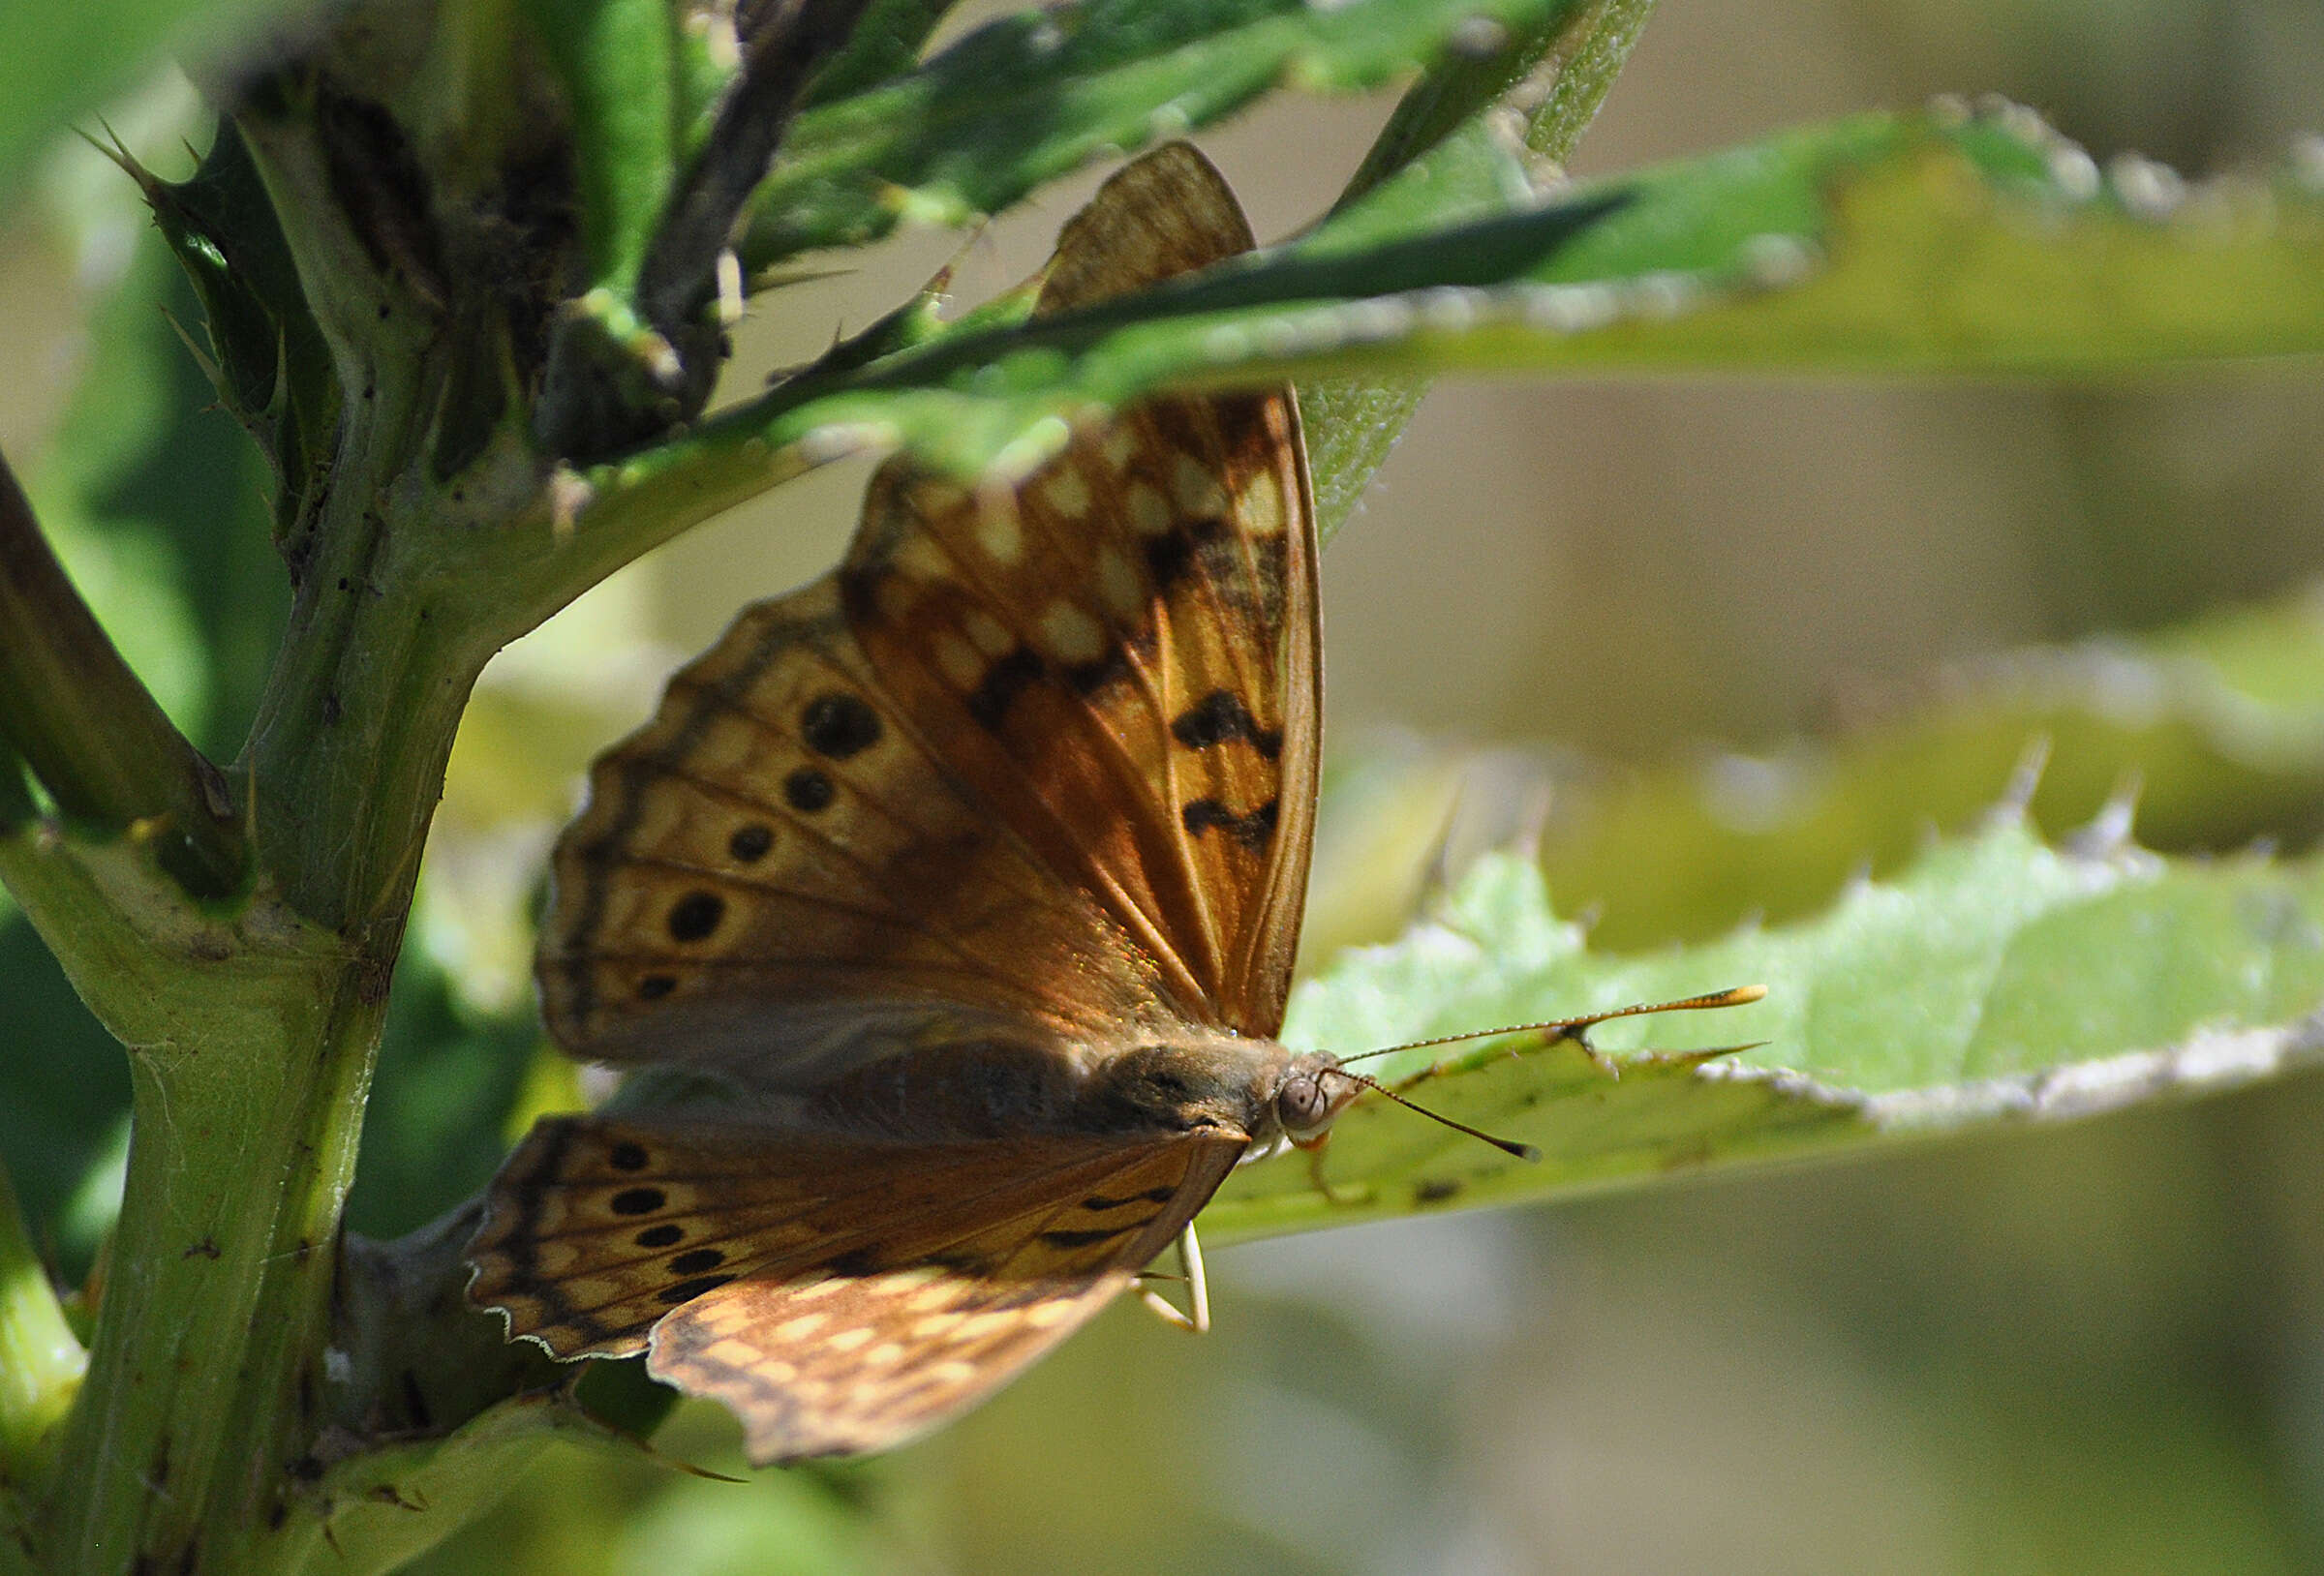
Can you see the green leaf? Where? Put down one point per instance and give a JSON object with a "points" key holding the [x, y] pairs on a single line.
{"points": [[57, 62], [1030, 96], [616, 61], [1887, 242], [2218, 725], [379, 1508], [885, 45], [1996, 979]]}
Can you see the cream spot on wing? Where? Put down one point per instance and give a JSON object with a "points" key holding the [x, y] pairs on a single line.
{"points": [[1263, 505], [934, 1325], [819, 1286], [1150, 511], [980, 1325], [1196, 489], [1042, 1316], [733, 1353], [1118, 585], [795, 1329], [919, 557], [725, 1317], [934, 1296], [963, 668], [986, 631], [953, 1372], [897, 1281], [847, 1340], [998, 532], [1119, 448], [775, 1371], [935, 496], [1065, 491], [883, 1355], [1071, 635]]}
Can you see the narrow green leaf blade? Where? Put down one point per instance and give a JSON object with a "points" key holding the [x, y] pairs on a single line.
{"points": [[1030, 96]]}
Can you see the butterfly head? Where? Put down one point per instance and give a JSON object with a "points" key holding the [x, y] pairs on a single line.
{"points": [[1310, 1097], [1225, 1083]]}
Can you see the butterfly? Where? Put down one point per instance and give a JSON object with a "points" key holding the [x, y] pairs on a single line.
{"points": [[951, 903]]}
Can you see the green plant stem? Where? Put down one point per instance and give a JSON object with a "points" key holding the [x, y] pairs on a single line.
{"points": [[199, 1422], [16, 807], [92, 734], [203, 1374], [40, 1362]]}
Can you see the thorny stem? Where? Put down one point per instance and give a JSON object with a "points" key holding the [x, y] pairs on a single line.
{"points": [[89, 730]]}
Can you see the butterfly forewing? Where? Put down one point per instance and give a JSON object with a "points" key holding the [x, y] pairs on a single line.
{"points": [[753, 871], [1121, 651]]}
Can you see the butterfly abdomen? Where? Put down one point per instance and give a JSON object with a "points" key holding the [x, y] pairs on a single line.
{"points": [[973, 1089]]}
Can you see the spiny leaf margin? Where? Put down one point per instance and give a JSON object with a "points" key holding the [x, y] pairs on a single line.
{"points": [[1998, 979]]}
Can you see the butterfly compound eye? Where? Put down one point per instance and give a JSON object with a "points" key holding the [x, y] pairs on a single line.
{"points": [[1302, 1105]]}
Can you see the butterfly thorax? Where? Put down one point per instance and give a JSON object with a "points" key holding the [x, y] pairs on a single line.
{"points": [[1225, 1083], [990, 1088]]}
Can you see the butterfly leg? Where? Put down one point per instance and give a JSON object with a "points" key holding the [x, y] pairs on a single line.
{"points": [[1197, 1318], [1322, 1185]]}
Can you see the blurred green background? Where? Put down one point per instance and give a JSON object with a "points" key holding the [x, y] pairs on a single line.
{"points": [[2098, 1348]]}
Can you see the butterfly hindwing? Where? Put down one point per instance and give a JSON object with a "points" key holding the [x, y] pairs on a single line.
{"points": [[838, 1295]]}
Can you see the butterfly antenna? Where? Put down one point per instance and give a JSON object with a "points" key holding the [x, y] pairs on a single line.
{"points": [[1508, 1147], [1564, 1028]]}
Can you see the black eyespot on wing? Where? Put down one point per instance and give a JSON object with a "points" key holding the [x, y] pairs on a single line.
{"points": [[1088, 677], [654, 986], [696, 917], [839, 726], [1099, 1203], [808, 790], [1252, 829], [1166, 560], [695, 1261], [1084, 1239], [688, 1291], [1004, 682], [750, 843], [856, 1262], [659, 1236], [637, 1200], [1221, 716], [629, 1157]]}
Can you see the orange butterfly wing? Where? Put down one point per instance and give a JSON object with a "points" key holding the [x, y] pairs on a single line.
{"points": [[840, 1295], [1124, 652], [1027, 784]]}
